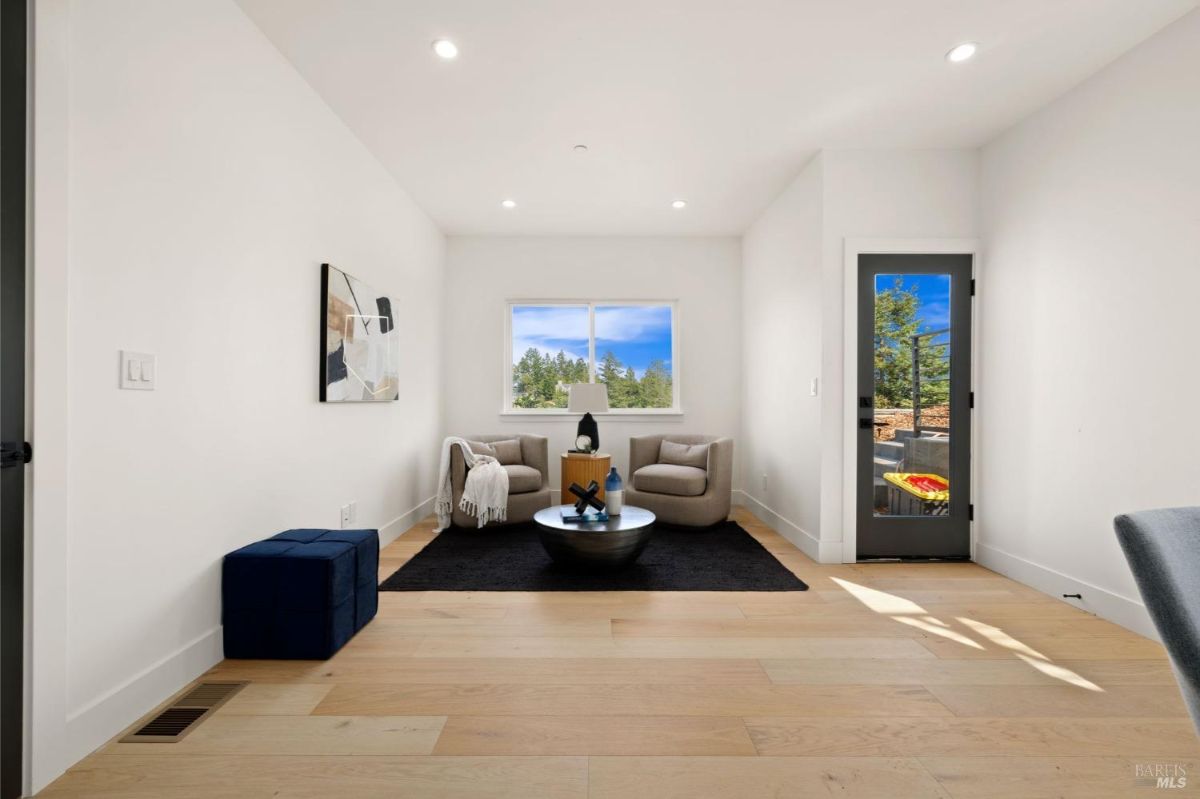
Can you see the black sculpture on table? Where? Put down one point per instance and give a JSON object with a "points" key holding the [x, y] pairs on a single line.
{"points": [[587, 496]]}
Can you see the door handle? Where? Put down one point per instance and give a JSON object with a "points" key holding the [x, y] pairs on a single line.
{"points": [[866, 424], [14, 453]]}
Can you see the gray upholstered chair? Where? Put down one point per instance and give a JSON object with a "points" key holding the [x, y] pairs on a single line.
{"points": [[1163, 550], [695, 495], [528, 481]]}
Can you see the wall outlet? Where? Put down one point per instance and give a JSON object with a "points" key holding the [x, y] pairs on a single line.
{"points": [[763, 481], [347, 515], [354, 512]]}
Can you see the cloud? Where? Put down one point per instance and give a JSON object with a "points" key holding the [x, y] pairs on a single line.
{"points": [[550, 322], [548, 347], [550, 329], [632, 322], [934, 314]]}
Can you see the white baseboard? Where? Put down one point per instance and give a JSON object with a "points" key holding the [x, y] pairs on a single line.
{"points": [[809, 544], [91, 726], [94, 724], [397, 526], [1125, 611]]}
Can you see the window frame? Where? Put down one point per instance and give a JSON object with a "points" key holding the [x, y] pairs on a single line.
{"points": [[507, 409]]}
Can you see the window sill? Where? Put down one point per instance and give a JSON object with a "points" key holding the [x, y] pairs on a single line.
{"points": [[654, 415]]}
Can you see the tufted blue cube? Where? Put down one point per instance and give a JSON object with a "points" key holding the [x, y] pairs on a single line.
{"points": [[301, 594]]}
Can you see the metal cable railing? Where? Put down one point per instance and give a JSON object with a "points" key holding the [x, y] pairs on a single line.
{"points": [[918, 381]]}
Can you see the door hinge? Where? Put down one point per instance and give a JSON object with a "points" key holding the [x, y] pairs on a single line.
{"points": [[971, 402], [972, 287], [970, 513], [13, 454]]}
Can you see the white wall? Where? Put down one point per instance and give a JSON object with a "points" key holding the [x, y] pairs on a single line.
{"points": [[1091, 215], [207, 183], [702, 274], [794, 296], [781, 310]]}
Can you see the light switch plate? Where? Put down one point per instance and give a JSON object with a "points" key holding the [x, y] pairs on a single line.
{"points": [[138, 370]]}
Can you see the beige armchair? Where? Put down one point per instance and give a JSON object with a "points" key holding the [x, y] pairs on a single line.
{"points": [[528, 481], [681, 494]]}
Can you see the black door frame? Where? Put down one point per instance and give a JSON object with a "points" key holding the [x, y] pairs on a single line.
{"points": [[13, 204], [915, 536]]}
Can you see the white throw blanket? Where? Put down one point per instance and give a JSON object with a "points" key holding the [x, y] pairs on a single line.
{"points": [[485, 495]]}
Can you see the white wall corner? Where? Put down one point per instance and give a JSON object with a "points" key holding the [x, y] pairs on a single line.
{"points": [[402, 523], [809, 544], [1128, 612]]}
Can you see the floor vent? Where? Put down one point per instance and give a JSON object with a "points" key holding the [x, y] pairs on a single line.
{"points": [[184, 713]]}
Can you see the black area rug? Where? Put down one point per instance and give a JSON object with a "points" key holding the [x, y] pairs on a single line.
{"points": [[720, 558]]}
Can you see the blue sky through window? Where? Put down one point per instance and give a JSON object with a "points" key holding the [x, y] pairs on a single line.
{"points": [[933, 293], [549, 329], [636, 334]]}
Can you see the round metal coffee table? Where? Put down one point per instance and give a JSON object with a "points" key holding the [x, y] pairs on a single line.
{"points": [[613, 544]]}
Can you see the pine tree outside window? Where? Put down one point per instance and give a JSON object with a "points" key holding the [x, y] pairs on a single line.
{"points": [[900, 315], [628, 345]]}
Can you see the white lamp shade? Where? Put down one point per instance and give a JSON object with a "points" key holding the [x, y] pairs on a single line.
{"points": [[588, 398]]}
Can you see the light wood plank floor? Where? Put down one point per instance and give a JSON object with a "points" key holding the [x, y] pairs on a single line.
{"points": [[884, 680]]}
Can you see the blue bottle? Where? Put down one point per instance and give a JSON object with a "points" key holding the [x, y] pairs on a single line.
{"points": [[614, 493]]}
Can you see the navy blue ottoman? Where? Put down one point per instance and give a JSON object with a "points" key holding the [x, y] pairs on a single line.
{"points": [[299, 595]]}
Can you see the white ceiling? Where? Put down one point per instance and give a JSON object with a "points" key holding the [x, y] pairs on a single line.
{"points": [[715, 101]]}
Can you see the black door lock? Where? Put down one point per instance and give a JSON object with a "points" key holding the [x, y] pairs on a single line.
{"points": [[15, 454]]}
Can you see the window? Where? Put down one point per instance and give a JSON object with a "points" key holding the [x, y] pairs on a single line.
{"points": [[630, 346]]}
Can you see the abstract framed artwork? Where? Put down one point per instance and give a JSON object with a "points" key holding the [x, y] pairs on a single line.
{"points": [[360, 349]]}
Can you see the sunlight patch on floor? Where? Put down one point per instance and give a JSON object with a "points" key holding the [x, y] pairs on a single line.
{"points": [[1001, 638], [879, 601], [938, 628], [905, 611], [1060, 673]]}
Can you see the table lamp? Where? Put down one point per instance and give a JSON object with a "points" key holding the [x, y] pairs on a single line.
{"points": [[588, 398]]}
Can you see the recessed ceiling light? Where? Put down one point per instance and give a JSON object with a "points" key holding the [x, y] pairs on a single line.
{"points": [[509, 203], [445, 49], [580, 148], [962, 52], [679, 204]]}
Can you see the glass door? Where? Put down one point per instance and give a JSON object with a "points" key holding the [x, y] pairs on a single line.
{"points": [[914, 406]]}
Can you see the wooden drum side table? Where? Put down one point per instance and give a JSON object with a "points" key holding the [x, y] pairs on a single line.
{"points": [[583, 469]]}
